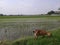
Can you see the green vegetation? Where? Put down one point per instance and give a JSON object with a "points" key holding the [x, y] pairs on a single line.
{"points": [[27, 18], [54, 40], [32, 16]]}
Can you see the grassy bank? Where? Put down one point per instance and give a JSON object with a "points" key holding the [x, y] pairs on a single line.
{"points": [[54, 40]]}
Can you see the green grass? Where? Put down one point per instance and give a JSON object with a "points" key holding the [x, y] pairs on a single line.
{"points": [[32, 16], [54, 40]]}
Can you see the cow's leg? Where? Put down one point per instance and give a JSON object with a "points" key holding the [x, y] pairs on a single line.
{"points": [[35, 36]]}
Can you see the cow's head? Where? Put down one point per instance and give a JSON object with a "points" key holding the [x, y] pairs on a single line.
{"points": [[33, 31]]}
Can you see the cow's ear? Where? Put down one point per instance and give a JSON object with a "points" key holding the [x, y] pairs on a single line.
{"points": [[33, 31]]}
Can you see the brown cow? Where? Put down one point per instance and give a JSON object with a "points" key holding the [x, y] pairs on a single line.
{"points": [[39, 32]]}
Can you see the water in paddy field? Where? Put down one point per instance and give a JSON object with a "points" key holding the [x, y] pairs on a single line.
{"points": [[15, 30]]}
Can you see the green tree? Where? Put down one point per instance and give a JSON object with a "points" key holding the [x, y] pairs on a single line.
{"points": [[51, 12], [1, 14]]}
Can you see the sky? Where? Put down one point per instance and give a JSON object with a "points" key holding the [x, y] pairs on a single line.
{"points": [[28, 6]]}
